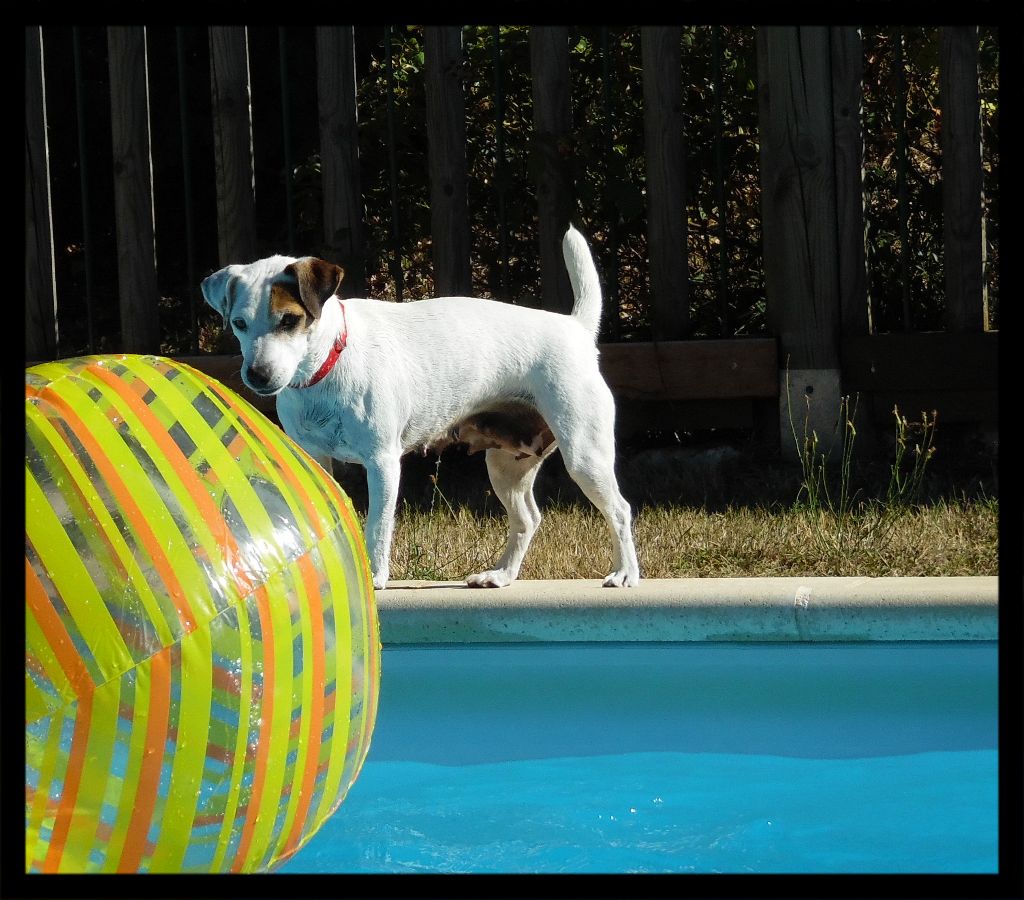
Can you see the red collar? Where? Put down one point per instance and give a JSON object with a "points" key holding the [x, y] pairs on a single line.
{"points": [[332, 357]]}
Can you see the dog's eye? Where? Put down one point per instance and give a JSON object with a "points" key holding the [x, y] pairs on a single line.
{"points": [[239, 324], [288, 321]]}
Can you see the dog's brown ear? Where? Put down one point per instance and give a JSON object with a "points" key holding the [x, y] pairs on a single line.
{"points": [[317, 281]]}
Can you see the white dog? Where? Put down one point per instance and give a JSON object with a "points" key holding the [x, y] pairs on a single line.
{"points": [[366, 381]]}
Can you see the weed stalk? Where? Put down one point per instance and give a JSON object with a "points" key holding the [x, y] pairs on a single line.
{"points": [[845, 520]]}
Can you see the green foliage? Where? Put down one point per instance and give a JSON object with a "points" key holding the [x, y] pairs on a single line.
{"points": [[909, 108], [606, 157], [605, 153]]}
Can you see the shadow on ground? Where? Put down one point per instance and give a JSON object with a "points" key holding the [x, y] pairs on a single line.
{"points": [[714, 470]]}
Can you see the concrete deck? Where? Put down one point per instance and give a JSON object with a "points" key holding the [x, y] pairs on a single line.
{"points": [[694, 609]]}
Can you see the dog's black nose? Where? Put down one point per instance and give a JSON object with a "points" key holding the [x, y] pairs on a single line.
{"points": [[257, 378]]}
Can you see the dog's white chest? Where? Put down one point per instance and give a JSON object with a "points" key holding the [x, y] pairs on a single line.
{"points": [[318, 428]]}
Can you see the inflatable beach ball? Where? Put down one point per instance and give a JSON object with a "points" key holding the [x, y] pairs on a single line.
{"points": [[202, 651]]}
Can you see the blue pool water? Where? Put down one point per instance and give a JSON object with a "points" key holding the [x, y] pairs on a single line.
{"points": [[675, 758]]}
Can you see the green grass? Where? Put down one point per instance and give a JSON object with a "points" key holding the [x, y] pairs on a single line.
{"points": [[827, 514], [943, 538]]}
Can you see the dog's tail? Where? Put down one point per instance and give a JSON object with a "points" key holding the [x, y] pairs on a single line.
{"points": [[586, 287]]}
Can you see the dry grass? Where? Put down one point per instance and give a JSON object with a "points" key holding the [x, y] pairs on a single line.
{"points": [[943, 538]]}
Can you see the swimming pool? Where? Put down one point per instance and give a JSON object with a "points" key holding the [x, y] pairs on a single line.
{"points": [[675, 757]]}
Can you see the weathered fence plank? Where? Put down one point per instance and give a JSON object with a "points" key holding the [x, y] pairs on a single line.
{"points": [[963, 228], [500, 165], [692, 370], [909, 369], [232, 144], [902, 175], [550, 153], [722, 286], [89, 245], [665, 153], [339, 154], [798, 216], [395, 260], [798, 193], [286, 137], [733, 369], [446, 152], [921, 361], [40, 283], [813, 218], [977, 407], [133, 189], [847, 72], [913, 372], [611, 324], [194, 291]]}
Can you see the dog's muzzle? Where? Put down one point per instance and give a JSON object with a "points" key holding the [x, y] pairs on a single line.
{"points": [[258, 380]]}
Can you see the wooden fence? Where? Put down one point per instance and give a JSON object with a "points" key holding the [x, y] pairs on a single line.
{"points": [[821, 341]]}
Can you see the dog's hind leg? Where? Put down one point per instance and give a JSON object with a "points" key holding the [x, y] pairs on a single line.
{"points": [[603, 492], [512, 480], [588, 451]]}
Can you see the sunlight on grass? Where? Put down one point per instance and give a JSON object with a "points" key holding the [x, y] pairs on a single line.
{"points": [[831, 527], [945, 538]]}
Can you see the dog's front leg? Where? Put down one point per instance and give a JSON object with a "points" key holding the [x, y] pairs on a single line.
{"points": [[382, 477]]}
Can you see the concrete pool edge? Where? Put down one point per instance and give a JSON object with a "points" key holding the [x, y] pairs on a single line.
{"points": [[963, 608]]}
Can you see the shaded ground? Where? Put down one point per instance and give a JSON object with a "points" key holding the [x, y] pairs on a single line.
{"points": [[714, 471]]}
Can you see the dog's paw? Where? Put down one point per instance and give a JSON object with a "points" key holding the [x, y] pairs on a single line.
{"points": [[380, 582], [622, 579], [494, 578]]}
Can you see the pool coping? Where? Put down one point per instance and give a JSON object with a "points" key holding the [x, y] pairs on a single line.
{"points": [[963, 608]]}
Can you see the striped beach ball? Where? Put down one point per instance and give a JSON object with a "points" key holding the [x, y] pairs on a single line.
{"points": [[202, 650]]}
